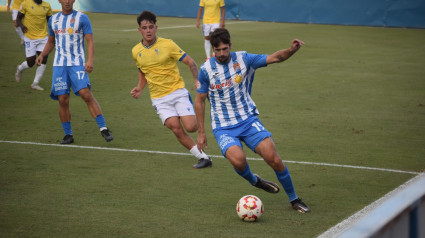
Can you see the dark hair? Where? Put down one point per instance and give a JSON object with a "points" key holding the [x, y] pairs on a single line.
{"points": [[220, 35], [148, 16]]}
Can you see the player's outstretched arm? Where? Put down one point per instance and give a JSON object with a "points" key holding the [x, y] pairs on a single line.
{"points": [[46, 51], [200, 115], [282, 55], [137, 91]]}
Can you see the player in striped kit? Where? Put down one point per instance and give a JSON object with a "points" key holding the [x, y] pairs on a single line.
{"points": [[67, 31], [226, 80]]}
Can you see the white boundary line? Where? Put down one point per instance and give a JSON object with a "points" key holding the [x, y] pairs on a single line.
{"points": [[214, 156], [170, 27]]}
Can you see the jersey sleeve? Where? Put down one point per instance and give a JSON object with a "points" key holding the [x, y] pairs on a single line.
{"points": [[201, 3], [23, 9], [49, 27], [256, 61], [176, 52], [49, 11], [222, 4], [204, 82], [134, 54], [86, 25]]}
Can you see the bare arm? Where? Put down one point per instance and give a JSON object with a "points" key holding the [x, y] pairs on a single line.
{"points": [[137, 91], [19, 22], [282, 55], [198, 19], [223, 16], [47, 49], [200, 117], [90, 52], [8, 5], [192, 66]]}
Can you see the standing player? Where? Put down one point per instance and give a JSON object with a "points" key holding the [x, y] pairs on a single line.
{"points": [[226, 80], [67, 31], [211, 20], [32, 19], [16, 6], [155, 58]]}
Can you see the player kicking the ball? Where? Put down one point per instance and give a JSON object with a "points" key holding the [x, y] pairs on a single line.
{"points": [[226, 80], [67, 31], [155, 58]]}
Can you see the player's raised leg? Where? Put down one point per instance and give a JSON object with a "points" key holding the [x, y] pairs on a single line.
{"points": [[268, 152]]}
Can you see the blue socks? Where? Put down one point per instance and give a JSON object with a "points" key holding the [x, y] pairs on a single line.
{"points": [[247, 174], [285, 179], [100, 120], [67, 128]]}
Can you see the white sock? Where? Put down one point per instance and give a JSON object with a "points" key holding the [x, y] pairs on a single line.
{"points": [[19, 32], [39, 73], [195, 152], [207, 45], [23, 66]]}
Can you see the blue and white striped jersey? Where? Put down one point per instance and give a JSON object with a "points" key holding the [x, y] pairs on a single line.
{"points": [[69, 31], [229, 87]]}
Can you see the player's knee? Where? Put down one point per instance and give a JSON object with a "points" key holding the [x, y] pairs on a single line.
{"points": [[191, 128], [31, 62], [63, 101]]}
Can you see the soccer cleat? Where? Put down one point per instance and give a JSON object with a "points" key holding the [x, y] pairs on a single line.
{"points": [[107, 135], [298, 205], [18, 75], [37, 87], [203, 163], [266, 185], [68, 139]]}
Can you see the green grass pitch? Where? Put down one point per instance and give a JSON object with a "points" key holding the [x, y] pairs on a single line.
{"points": [[351, 96]]}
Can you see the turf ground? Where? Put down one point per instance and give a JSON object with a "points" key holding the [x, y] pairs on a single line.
{"points": [[351, 96]]}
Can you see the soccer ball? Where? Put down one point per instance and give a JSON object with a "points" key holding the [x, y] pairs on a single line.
{"points": [[249, 208]]}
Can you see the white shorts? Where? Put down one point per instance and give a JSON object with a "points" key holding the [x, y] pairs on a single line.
{"points": [[32, 46], [14, 14], [175, 104], [208, 28]]}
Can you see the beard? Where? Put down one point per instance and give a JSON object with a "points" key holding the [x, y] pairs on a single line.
{"points": [[223, 59]]}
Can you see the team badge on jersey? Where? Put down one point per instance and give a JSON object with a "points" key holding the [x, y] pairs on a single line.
{"points": [[236, 66], [238, 78]]}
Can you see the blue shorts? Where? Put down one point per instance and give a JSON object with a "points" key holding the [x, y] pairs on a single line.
{"points": [[65, 77], [250, 131]]}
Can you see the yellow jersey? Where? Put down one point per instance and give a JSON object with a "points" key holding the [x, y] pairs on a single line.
{"points": [[35, 18], [16, 5], [212, 11], [158, 63]]}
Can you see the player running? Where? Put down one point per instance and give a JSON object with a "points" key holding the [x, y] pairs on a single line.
{"points": [[67, 31], [214, 16], [32, 19], [16, 6], [155, 59], [226, 80]]}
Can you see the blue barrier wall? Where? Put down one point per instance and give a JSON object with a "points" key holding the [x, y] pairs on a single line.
{"points": [[391, 13]]}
